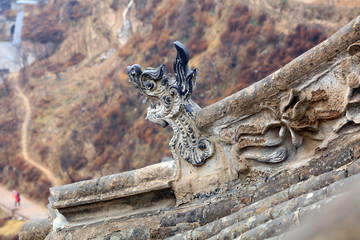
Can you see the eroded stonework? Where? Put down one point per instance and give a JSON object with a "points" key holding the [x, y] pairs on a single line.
{"points": [[316, 112]]}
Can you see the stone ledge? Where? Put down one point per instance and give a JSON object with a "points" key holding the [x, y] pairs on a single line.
{"points": [[147, 179]]}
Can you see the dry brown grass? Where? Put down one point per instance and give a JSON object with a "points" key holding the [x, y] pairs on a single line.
{"points": [[3, 214], [11, 229]]}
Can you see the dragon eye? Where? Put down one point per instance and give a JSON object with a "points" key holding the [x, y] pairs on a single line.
{"points": [[149, 85]]}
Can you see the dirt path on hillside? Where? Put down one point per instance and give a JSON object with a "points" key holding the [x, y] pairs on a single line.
{"points": [[24, 135], [28, 209]]}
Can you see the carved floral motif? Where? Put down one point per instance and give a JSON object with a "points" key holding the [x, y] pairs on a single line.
{"points": [[283, 125], [173, 105], [353, 81]]}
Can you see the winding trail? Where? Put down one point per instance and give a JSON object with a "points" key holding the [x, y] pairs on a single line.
{"points": [[28, 208], [126, 22], [24, 135], [124, 32]]}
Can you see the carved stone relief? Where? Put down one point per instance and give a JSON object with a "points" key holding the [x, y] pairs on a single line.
{"points": [[312, 112], [171, 104], [351, 74], [316, 109]]}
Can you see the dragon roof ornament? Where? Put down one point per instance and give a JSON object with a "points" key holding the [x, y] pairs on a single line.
{"points": [[173, 106]]}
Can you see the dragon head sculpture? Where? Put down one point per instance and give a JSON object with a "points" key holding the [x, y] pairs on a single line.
{"points": [[167, 94], [170, 104]]}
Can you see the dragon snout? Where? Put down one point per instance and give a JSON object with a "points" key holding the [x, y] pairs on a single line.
{"points": [[128, 70], [133, 71]]}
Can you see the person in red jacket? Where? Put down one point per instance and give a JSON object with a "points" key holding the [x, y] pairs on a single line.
{"points": [[16, 195]]}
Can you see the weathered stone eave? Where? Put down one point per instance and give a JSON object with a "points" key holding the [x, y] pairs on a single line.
{"points": [[247, 101], [147, 179]]}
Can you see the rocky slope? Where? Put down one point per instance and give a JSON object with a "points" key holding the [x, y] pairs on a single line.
{"points": [[86, 118]]}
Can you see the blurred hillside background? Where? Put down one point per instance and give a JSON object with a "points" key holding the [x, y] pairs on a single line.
{"points": [[67, 110]]}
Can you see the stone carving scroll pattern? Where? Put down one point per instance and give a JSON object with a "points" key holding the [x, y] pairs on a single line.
{"points": [[315, 109], [172, 105]]}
